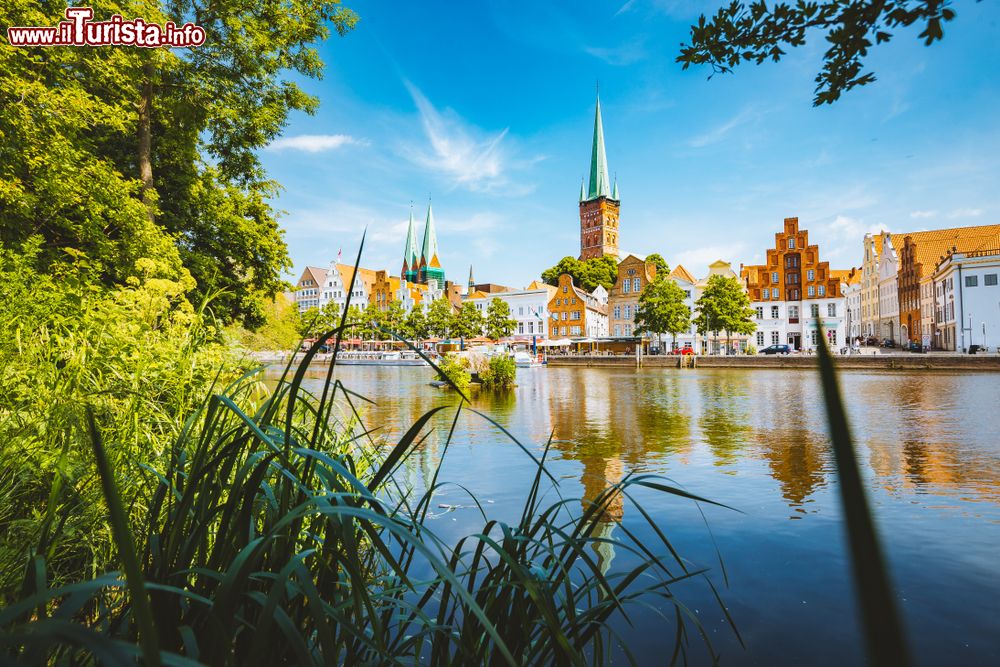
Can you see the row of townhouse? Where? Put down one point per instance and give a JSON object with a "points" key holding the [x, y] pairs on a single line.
{"points": [[914, 288], [317, 287]]}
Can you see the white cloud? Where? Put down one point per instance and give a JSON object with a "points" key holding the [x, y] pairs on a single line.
{"points": [[719, 133], [965, 213], [845, 226], [624, 8], [315, 143], [458, 151], [917, 215]]}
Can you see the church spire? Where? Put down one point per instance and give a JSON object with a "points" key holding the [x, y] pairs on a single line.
{"points": [[583, 191], [614, 192], [411, 262], [472, 282], [599, 185], [430, 263]]}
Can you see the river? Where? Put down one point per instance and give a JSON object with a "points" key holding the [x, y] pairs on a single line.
{"points": [[754, 440]]}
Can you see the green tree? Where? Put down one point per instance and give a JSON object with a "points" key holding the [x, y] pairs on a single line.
{"points": [[129, 154], [468, 322], [499, 323], [661, 264], [281, 329], [440, 318], [393, 318], [662, 309], [315, 322], [415, 326], [724, 306], [371, 319], [587, 275], [758, 31], [356, 321]]}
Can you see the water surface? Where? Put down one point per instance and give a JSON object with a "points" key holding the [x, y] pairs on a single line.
{"points": [[754, 440]]}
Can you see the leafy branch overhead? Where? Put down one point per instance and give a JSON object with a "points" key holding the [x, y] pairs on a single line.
{"points": [[740, 33]]}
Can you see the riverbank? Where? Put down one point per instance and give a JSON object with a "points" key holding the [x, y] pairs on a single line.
{"points": [[931, 362]]}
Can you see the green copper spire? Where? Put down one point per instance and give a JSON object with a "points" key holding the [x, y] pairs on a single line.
{"points": [[599, 185], [411, 261], [430, 263], [614, 193], [583, 191]]}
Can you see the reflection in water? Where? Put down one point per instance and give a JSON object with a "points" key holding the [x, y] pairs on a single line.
{"points": [[757, 441]]}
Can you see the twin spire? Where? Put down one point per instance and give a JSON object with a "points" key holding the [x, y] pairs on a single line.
{"points": [[425, 265], [600, 184]]}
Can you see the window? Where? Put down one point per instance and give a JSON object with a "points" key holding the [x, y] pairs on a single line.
{"points": [[765, 293], [990, 279], [831, 310], [565, 289], [774, 277], [625, 286], [628, 329], [971, 281], [562, 331], [520, 310], [760, 338], [520, 327], [618, 312], [774, 292], [564, 316], [822, 290], [531, 327], [775, 312], [635, 284], [793, 314], [813, 337], [810, 275], [791, 243], [832, 335], [811, 291], [576, 315], [760, 312], [628, 312], [574, 331], [814, 311], [774, 338], [618, 330]]}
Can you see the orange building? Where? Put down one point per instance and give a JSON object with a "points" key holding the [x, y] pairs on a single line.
{"points": [[574, 313], [634, 274]]}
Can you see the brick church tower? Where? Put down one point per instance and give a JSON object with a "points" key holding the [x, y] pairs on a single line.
{"points": [[599, 203]]}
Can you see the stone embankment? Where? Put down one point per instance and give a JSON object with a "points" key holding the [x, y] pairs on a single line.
{"points": [[902, 361]]}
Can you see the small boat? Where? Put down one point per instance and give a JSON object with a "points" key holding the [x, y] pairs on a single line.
{"points": [[526, 360], [393, 358]]}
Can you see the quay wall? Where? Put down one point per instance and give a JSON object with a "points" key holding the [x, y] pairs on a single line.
{"points": [[931, 362]]}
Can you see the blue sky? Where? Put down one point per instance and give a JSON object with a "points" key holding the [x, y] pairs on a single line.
{"points": [[487, 107]]}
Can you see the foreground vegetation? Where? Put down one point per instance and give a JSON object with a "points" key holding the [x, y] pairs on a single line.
{"points": [[272, 529]]}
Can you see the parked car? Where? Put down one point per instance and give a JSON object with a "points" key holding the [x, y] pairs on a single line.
{"points": [[777, 349], [871, 340], [973, 349], [682, 350], [888, 342]]}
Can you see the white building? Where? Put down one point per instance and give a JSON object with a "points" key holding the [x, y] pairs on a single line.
{"points": [[888, 290], [338, 280], [528, 307], [852, 300], [309, 290], [967, 298]]}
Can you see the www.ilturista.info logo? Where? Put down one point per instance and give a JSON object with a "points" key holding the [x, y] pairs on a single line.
{"points": [[79, 30]]}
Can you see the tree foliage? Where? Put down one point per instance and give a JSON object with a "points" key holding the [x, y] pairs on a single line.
{"points": [[281, 330], [468, 322], [758, 31], [130, 154], [415, 326], [440, 318], [315, 322], [724, 306], [587, 275], [661, 264], [499, 324], [662, 309]]}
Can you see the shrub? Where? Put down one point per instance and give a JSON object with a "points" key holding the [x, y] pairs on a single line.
{"points": [[456, 369], [500, 372]]}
